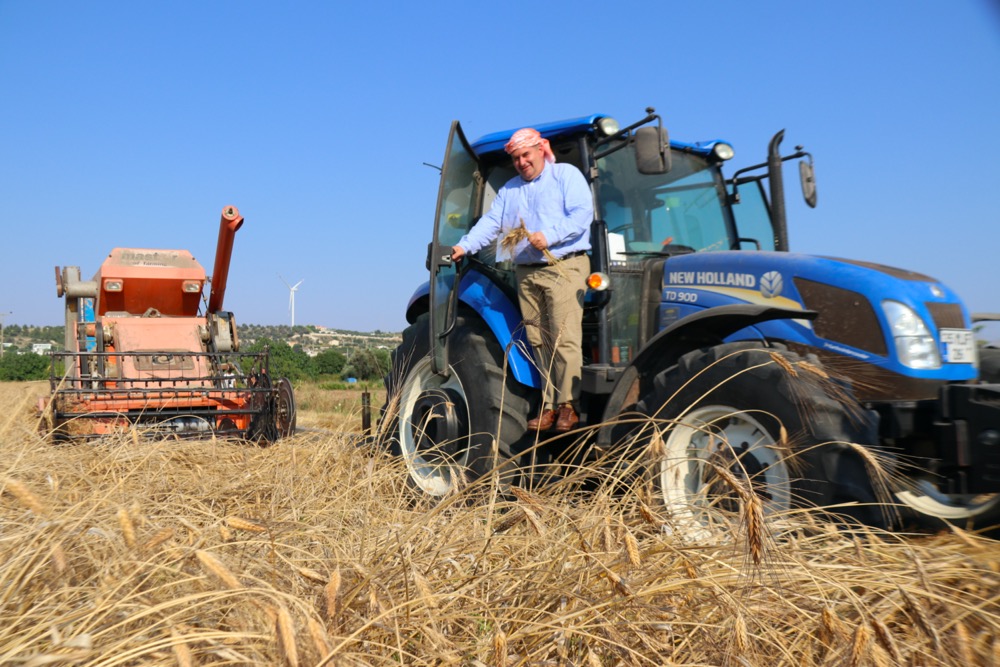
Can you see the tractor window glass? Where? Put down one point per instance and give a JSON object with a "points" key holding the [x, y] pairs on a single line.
{"points": [[458, 190], [682, 207], [753, 221], [495, 178]]}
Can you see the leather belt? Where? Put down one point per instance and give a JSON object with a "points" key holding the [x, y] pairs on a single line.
{"points": [[567, 256]]}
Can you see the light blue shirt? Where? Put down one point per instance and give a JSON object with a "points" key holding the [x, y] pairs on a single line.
{"points": [[557, 203]]}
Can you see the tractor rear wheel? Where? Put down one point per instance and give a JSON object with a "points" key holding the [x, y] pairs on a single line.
{"points": [[768, 419], [444, 429]]}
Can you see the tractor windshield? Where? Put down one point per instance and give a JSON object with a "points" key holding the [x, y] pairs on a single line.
{"points": [[684, 207]]}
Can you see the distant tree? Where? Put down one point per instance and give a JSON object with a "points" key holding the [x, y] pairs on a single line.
{"points": [[329, 362], [285, 362], [20, 367], [367, 364]]}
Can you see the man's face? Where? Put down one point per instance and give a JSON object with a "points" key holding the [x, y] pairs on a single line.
{"points": [[529, 162]]}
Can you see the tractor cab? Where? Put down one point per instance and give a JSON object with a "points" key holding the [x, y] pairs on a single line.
{"points": [[654, 199]]}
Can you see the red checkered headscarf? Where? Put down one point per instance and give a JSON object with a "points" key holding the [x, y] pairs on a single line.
{"points": [[530, 137]]}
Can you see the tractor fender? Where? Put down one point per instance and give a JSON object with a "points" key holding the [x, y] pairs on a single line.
{"points": [[710, 327], [501, 315], [702, 329]]}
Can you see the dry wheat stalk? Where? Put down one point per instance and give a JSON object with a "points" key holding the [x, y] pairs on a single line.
{"points": [[963, 648], [831, 628], [753, 517], [632, 548], [618, 582], [26, 496], [158, 538], [740, 634], [213, 565], [528, 498], [534, 521], [514, 516], [518, 234], [310, 574], [690, 571], [814, 369], [917, 614], [180, 649], [607, 537], [332, 594], [657, 451], [127, 527], [780, 359], [499, 648], [860, 645], [320, 638], [651, 517], [285, 631], [885, 638], [239, 523], [58, 557], [424, 589]]}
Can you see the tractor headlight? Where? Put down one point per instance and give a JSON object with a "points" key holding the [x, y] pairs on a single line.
{"points": [[915, 345], [723, 151], [608, 126], [191, 286], [113, 285]]}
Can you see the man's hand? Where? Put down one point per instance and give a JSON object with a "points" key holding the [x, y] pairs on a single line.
{"points": [[457, 253], [538, 240]]}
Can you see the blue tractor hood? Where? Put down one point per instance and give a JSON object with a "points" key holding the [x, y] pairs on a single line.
{"points": [[847, 294]]}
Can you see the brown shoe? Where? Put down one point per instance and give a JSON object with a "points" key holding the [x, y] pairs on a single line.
{"points": [[567, 418], [543, 422]]}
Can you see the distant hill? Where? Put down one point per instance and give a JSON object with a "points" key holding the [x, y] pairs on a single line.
{"points": [[312, 338]]}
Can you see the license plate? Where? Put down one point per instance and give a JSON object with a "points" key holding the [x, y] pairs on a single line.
{"points": [[959, 346]]}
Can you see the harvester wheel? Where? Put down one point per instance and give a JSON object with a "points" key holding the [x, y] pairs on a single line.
{"points": [[284, 413], [445, 428], [263, 427], [757, 417]]}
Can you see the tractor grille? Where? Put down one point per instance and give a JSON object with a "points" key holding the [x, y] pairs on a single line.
{"points": [[844, 316], [947, 315]]}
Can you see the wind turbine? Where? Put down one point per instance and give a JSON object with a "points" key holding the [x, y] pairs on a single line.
{"points": [[291, 296]]}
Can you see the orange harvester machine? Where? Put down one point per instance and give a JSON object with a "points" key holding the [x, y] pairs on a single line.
{"points": [[139, 353]]}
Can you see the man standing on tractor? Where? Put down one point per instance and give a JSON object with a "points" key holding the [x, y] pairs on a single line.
{"points": [[550, 207]]}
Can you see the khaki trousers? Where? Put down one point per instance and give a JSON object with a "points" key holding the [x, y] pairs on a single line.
{"points": [[551, 299]]}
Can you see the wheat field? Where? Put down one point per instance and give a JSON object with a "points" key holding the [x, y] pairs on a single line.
{"points": [[130, 551]]}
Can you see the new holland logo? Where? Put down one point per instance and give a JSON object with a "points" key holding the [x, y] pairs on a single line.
{"points": [[771, 284]]}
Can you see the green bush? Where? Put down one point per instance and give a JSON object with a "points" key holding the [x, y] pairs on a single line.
{"points": [[21, 367]]}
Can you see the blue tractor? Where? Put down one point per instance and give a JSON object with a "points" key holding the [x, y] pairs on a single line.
{"points": [[703, 335]]}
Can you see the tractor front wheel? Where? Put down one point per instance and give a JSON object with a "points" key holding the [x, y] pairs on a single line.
{"points": [[763, 418], [455, 429]]}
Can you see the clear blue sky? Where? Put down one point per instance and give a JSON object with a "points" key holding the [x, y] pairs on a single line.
{"points": [[133, 123]]}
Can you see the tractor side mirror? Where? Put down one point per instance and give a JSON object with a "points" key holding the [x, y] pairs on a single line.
{"points": [[652, 150], [807, 176]]}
